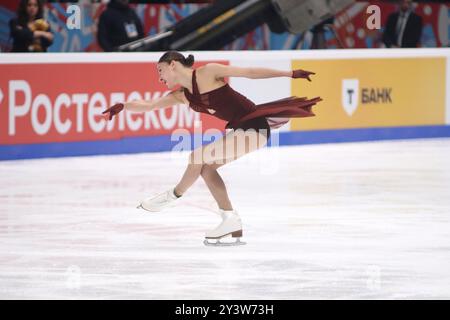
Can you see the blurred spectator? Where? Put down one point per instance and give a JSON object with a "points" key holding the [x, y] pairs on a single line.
{"points": [[29, 31], [403, 28], [118, 24], [318, 31]]}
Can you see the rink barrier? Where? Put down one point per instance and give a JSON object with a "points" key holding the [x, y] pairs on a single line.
{"points": [[24, 139], [164, 143]]}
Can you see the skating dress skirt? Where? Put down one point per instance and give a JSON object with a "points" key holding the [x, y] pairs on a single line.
{"points": [[242, 113]]}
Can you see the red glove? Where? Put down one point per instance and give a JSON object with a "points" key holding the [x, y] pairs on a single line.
{"points": [[115, 109], [299, 73]]}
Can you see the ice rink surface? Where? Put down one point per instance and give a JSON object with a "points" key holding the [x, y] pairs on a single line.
{"points": [[366, 220]]}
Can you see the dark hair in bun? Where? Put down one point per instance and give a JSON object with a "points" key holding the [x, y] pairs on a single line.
{"points": [[189, 60], [169, 56]]}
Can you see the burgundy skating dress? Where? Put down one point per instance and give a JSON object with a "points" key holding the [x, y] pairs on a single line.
{"points": [[240, 112]]}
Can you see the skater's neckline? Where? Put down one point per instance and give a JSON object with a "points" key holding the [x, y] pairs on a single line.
{"points": [[195, 86]]}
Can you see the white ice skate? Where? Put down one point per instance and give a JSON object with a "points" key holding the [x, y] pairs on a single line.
{"points": [[159, 202], [231, 225]]}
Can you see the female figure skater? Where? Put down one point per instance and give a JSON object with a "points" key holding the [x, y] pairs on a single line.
{"points": [[205, 90]]}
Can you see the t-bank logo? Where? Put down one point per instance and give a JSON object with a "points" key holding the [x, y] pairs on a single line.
{"points": [[351, 95]]}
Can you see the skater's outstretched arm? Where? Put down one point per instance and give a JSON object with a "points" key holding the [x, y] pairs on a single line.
{"points": [[175, 97], [221, 71]]}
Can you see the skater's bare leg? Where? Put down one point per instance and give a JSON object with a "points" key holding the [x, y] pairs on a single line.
{"points": [[226, 149], [212, 179], [190, 175], [216, 186]]}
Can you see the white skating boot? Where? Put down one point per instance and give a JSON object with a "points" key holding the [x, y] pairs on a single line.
{"points": [[159, 202], [231, 224]]}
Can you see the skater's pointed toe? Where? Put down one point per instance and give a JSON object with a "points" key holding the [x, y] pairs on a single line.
{"points": [[150, 208], [159, 202]]}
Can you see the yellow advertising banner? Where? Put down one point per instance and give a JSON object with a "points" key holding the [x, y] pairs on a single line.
{"points": [[361, 93]]}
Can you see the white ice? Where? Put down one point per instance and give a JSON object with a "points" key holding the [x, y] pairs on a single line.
{"points": [[367, 220]]}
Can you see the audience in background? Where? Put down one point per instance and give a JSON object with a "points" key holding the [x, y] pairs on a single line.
{"points": [[118, 24], [403, 28], [29, 31]]}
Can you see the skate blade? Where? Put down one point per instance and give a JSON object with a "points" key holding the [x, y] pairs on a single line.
{"points": [[218, 243], [141, 207]]}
